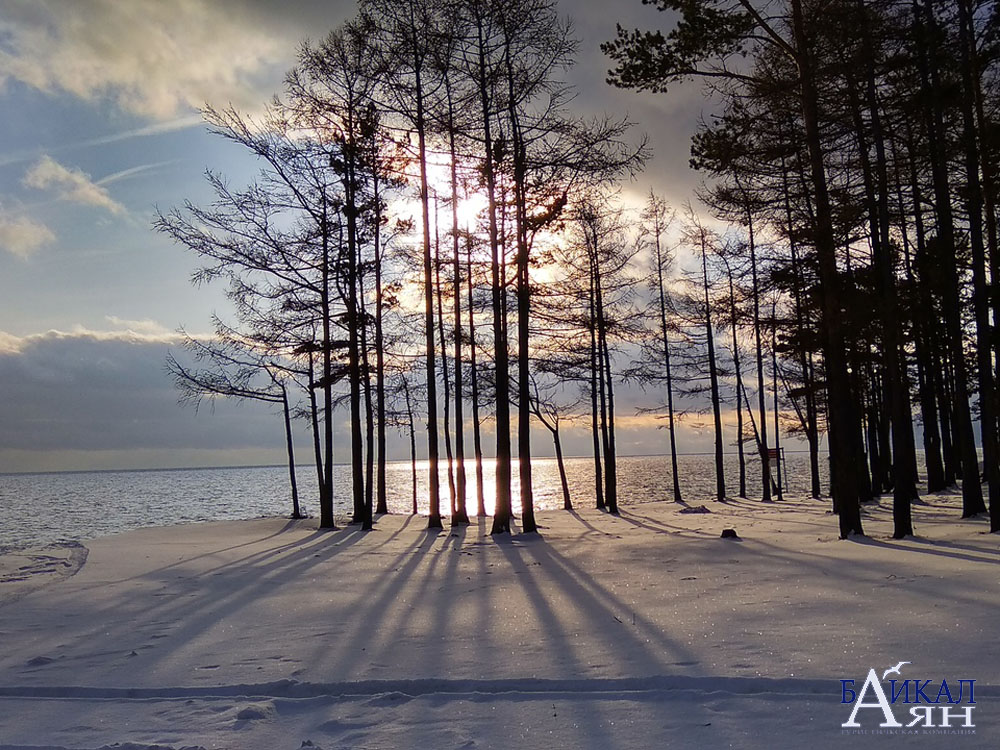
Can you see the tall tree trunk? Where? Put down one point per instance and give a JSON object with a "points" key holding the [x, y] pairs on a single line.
{"points": [[326, 503], [354, 344], [523, 306], [777, 405], [765, 469], [596, 388], [981, 301], [805, 356], [972, 493], [879, 453], [290, 451], [523, 377], [664, 336], [713, 378], [461, 515], [433, 483], [381, 501], [557, 443], [904, 473], [923, 330], [738, 372], [477, 441], [439, 295], [366, 389], [839, 396], [606, 389], [413, 441], [501, 513]]}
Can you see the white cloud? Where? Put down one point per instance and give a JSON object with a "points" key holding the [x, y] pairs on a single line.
{"points": [[72, 184], [124, 331], [153, 58], [22, 236], [144, 327], [9, 343]]}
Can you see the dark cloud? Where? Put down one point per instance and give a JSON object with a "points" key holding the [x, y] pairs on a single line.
{"points": [[109, 396], [666, 119], [100, 392]]}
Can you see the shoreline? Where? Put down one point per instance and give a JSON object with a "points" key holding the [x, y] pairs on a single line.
{"points": [[26, 568]]}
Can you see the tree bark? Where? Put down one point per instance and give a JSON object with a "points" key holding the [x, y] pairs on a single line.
{"points": [[433, 483], [326, 503], [290, 450], [839, 396], [665, 338], [501, 513], [596, 381], [439, 295], [477, 441], [765, 469], [567, 502], [381, 502], [738, 372], [981, 301], [713, 378], [972, 494]]}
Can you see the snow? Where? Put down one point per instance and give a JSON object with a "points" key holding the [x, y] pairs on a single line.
{"points": [[647, 630]]}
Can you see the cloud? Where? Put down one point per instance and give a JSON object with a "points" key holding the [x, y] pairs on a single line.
{"points": [[22, 236], [145, 327], [109, 391], [87, 399], [126, 331], [72, 184], [154, 58], [9, 343]]}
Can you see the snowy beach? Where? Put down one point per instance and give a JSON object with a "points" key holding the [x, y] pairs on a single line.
{"points": [[647, 630]]}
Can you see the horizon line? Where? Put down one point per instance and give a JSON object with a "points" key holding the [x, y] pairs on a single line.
{"points": [[747, 454]]}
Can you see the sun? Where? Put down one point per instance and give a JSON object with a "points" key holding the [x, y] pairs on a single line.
{"points": [[471, 205], [471, 208]]}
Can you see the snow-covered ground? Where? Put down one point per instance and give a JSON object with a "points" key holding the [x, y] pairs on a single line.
{"points": [[644, 631]]}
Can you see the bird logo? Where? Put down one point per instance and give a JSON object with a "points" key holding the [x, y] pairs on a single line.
{"points": [[893, 670]]}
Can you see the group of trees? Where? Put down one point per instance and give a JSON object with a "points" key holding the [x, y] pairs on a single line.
{"points": [[413, 176], [434, 232], [861, 135]]}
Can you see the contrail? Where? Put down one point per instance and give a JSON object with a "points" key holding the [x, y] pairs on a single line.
{"points": [[158, 128]]}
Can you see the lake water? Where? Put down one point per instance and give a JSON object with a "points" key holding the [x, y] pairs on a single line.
{"points": [[43, 508]]}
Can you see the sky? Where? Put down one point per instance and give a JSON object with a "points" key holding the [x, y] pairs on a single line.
{"points": [[99, 128]]}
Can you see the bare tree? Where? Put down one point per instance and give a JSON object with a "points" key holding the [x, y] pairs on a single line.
{"points": [[235, 368]]}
